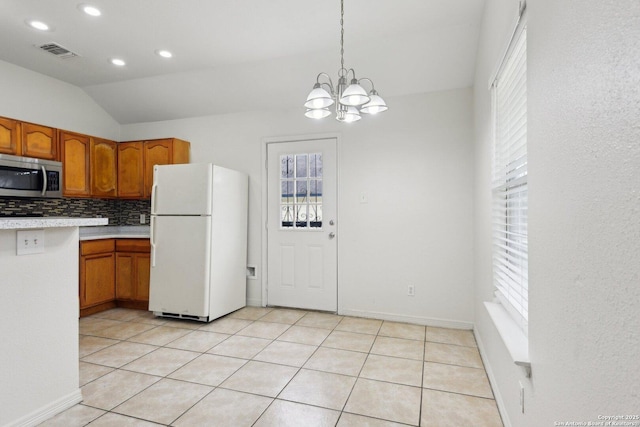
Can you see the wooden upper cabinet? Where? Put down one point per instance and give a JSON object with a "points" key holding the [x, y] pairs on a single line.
{"points": [[10, 136], [39, 141], [130, 170], [75, 164], [103, 165], [162, 152]]}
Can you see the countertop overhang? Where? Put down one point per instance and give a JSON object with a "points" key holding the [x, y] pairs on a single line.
{"points": [[115, 232], [49, 222]]}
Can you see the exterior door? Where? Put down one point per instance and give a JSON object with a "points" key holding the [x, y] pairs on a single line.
{"points": [[301, 225]]}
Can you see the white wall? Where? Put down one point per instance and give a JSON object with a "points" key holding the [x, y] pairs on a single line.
{"points": [[498, 22], [39, 328], [36, 98], [415, 164], [584, 201]]}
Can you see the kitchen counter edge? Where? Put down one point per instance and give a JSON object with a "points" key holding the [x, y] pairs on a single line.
{"points": [[114, 232], [49, 222]]}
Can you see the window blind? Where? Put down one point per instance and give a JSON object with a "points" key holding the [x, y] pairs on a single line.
{"points": [[509, 181]]}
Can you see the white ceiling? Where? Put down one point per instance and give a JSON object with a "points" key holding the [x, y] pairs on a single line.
{"points": [[241, 55]]}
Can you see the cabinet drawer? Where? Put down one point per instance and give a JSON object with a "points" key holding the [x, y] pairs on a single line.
{"points": [[97, 246], [133, 245]]}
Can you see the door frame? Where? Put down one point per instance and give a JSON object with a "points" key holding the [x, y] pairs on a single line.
{"points": [[265, 200]]}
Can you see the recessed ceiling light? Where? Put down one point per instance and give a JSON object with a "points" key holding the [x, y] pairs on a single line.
{"points": [[117, 61], [38, 25], [164, 53], [89, 10]]}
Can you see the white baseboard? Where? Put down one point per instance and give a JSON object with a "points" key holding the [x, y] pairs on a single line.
{"points": [[44, 413], [492, 380], [419, 320]]}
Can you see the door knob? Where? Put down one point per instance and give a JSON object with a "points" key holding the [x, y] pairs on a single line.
{"points": [[332, 235]]}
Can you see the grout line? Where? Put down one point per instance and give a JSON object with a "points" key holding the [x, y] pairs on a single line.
{"points": [[140, 319]]}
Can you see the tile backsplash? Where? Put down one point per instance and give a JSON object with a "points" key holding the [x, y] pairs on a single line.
{"points": [[119, 212]]}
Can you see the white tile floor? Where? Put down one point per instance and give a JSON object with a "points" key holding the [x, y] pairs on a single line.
{"points": [[276, 367]]}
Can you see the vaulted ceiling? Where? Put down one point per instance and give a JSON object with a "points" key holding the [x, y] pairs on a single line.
{"points": [[240, 55]]}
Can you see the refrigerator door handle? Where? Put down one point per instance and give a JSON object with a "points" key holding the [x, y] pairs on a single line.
{"points": [[154, 191], [152, 241]]}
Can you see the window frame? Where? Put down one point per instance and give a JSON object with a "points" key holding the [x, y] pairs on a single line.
{"points": [[509, 180], [298, 200]]}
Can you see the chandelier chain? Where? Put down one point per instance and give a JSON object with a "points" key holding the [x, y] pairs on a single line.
{"points": [[342, 35]]}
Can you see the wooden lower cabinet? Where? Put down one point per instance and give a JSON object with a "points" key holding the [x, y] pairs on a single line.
{"points": [[97, 276], [114, 273], [132, 273]]}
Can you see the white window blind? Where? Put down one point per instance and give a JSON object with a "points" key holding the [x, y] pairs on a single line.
{"points": [[509, 181]]}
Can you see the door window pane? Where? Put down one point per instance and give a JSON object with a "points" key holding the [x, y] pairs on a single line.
{"points": [[301, 166], [315, 191], [301, 216], [315, 216], [286, 166], [315, 165], [287, 192], [301, 191], [286, 216]]}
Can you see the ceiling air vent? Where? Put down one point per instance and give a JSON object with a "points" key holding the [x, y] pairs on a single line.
{"points": [[57, 50]]}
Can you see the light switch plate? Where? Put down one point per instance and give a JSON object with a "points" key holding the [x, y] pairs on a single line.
{"points": [[30, 242]]}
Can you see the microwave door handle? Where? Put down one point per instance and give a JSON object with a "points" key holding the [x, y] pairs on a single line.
{"points": [[44, 180]]}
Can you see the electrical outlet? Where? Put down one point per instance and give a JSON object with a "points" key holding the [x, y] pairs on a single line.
{"points": [[143, 218], [30, 242], [411, 290], [521, 397]]}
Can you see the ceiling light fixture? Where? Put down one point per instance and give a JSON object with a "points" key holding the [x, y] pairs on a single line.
{"points": [[38, 25], [164, 53], [89, 10], [350, 99], [118, 62]]}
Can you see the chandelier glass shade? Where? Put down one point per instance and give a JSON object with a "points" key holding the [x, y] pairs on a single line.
{"points": [[350, 99]]}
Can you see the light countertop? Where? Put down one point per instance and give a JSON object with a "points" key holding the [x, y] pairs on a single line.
{"points": [[115, 232], [49, 222]]}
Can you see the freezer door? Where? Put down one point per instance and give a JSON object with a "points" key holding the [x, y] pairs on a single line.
{"points": [[180, 265], [182, 189]]}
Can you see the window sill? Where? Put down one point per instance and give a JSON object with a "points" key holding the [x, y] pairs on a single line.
{"points": [[514, 339]]}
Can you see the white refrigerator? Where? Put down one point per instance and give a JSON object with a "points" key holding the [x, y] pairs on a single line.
{"points": [[198, 241]]}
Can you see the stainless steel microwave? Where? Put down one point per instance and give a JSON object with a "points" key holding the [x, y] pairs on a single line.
{"points": [[27, 177]]}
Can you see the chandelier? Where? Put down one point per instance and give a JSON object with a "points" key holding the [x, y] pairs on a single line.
{"points": [[351, 100]]}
